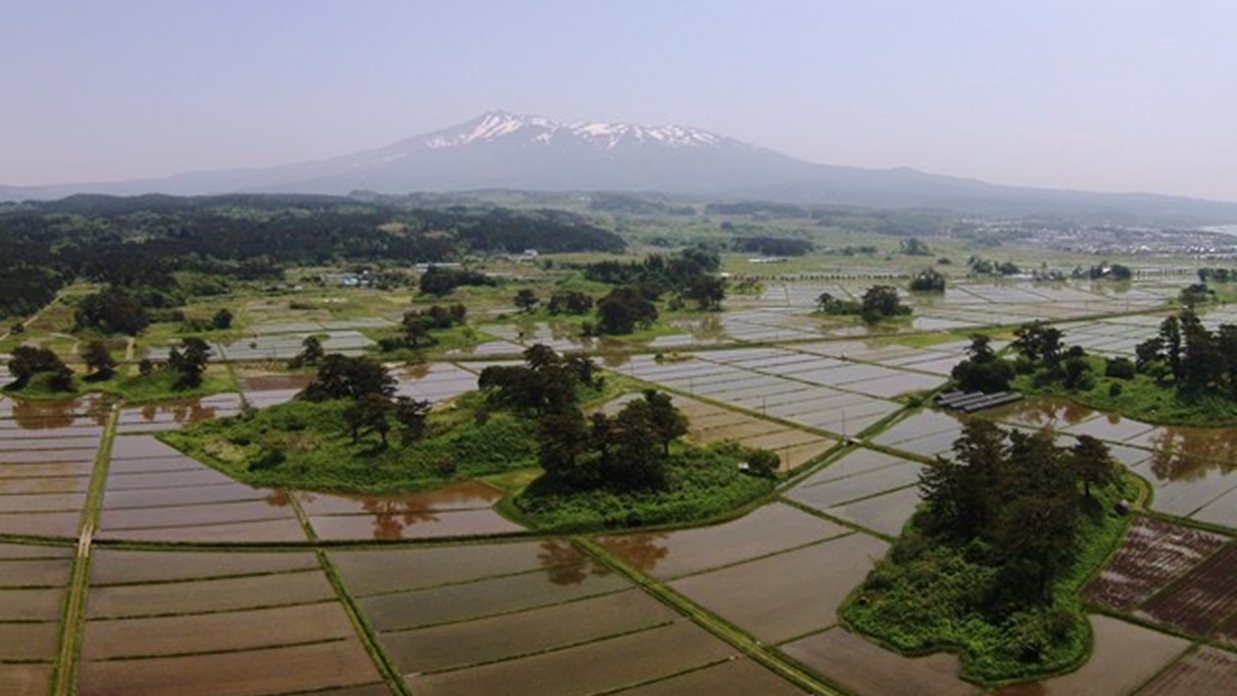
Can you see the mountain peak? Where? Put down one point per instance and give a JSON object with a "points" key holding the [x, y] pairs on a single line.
{"points": [[529, 130]]}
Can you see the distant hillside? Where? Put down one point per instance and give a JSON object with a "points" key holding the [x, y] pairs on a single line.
{"points": [[499, 150], [143, 241]]}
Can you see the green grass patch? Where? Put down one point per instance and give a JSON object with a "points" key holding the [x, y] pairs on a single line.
{"points": [[703, 482], [306, 445], [925, 598]]}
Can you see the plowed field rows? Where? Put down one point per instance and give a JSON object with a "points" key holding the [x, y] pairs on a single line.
{"points": [[1152, 553]]}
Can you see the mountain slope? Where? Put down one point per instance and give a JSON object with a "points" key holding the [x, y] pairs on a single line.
{"points": [[500, 150]]}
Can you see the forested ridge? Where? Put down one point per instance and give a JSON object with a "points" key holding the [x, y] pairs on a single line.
{"points": [[126, 240]]}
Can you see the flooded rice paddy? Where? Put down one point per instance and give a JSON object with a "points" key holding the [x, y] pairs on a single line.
{"points": [[197, 584]]}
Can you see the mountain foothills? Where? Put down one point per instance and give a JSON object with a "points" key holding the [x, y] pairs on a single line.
{"points": [[500, 150], [168, 244]]}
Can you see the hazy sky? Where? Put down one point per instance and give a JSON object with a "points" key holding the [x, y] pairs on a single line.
{"points": [[1116, 95]]}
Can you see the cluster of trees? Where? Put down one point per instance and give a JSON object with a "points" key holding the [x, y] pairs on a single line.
{"points": [[570, 302], [623, 309], [1113, 271], [311, 353], [418, 325], [912, 246], [1195, 294], [1042, 351], [1219, 275], [1015, 500], [189, 362], [112, 310], [928, 280], [28, 361], [1197, 358], [982, 370], [627, 451], [982, 266], [771, 246], [878, 302], [98, 360], [369, 390], [690, 273], [219, 321], [441, 281]]}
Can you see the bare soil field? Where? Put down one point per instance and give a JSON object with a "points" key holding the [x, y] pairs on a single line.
{"points": [[1201, 598]]}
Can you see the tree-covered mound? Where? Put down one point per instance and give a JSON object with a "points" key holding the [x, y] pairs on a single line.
{"points": [[993, 563], [623, 470]]}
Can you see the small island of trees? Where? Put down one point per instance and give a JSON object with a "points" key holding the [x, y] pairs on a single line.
{"points": [[992, 563], [879, 302]]}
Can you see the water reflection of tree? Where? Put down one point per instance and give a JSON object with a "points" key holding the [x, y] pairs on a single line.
{"points": [[640, 550], [710, 328], [1047, 413], [44, 415], [393, 516], [279, 499], [567, 565], [186, 411], [1187, 454]]}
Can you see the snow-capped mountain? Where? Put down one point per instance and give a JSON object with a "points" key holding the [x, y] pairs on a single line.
{"points": [[533, 136], [501, 150], [543, 131]]}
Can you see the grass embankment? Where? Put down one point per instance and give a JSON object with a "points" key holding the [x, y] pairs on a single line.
{"points": [[702, 482], [926, 598], [308, 446], [1143, 398]]}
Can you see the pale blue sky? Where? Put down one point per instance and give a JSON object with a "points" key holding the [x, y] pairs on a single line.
{"points": [[1104, 95]]}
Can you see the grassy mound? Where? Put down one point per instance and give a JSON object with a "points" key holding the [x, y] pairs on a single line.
{"points": [[307, 446]]}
